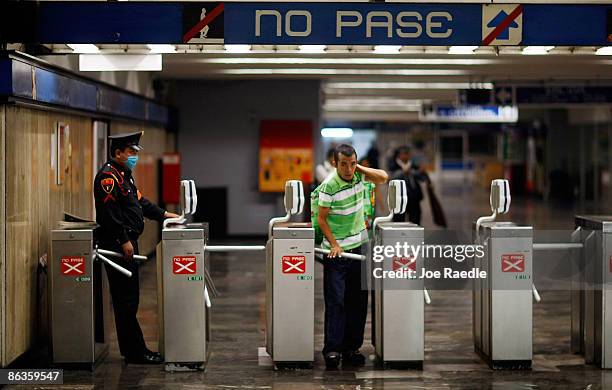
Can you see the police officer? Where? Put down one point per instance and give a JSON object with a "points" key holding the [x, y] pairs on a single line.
{"points": [[120, 212]]}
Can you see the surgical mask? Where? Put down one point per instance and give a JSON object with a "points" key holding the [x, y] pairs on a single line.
{"points": [[131, 162]]}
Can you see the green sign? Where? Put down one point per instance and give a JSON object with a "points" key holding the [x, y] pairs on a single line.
{"points": [[304, 277], [83, 279], [194, 278]]}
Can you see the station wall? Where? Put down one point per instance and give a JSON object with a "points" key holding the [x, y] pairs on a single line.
{"points": [[33, 203], [218, 139]]}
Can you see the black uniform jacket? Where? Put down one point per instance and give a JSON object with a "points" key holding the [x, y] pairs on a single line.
{"points": [[120, 208]]}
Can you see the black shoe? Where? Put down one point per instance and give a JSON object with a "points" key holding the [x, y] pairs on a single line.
{"points": [[353, 358], [332, 360], [147, 357], [148, 351]]}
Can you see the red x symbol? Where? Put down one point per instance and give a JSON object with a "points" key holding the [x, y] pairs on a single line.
{"points": [[294, 264], [73, 266], [513, 263], [404, 263], [184, 265]]}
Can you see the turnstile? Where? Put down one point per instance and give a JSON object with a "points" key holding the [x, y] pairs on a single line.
{"points": [[184, 319], [502, 302], [182, 295], [290, 294], [399, 317], [592, 291], [79, 300]]}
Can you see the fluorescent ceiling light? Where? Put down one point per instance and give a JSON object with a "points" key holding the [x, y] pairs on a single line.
{"points": [[162, 48], [312, 49], [346, 61], [386, 49], [337, 132], [84, 48], [536, 50], [325, 71], [604, 51], [237, 49], [405, 85], [462, 49], [120, 62]]}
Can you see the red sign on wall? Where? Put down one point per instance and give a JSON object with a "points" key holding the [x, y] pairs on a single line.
{"points": [[171, 178]]}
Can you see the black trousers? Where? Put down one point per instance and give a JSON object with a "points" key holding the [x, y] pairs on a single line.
{"points": [[125, 294], [346, 304]]}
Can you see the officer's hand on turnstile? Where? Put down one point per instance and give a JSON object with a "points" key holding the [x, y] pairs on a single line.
{"points": [[128, 250]]}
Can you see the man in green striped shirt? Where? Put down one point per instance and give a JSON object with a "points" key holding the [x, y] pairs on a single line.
{"points": [[341, 219]]}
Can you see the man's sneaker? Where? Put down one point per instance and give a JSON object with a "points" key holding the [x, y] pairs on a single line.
{"points": [[353, 358], [332, 360]]}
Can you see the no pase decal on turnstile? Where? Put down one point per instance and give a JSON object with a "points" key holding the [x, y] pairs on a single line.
{"points": [[184, 265], [73, 265], [404, 263], [513, 263], [294, 264]]}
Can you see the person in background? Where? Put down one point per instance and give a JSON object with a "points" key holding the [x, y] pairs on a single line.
{"points": [[341, 220], [326, 168], [403, 168]]}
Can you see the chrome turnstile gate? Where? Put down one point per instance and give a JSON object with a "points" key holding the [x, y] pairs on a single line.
{"points": [[399, 317], [592, 291], [502, 303], [290, 294], [184, 319], [79, 300]]}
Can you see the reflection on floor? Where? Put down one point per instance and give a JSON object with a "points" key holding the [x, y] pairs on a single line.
{"points": [[238, 330]]}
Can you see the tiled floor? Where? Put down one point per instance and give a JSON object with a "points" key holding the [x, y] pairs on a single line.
{"points": [[450, 361]]}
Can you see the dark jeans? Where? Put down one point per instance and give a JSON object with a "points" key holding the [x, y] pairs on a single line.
{"points": [[125, 294], [346, 304]]}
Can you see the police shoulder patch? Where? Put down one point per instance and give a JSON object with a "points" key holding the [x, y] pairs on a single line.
{"points": [[108, 184]]}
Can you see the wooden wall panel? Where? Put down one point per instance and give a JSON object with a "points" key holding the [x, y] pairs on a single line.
{"points": [[145, 174], [34, 204], [2, 236]]}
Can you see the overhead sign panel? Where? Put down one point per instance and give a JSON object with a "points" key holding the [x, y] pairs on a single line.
{"points": [[469, 114], [416, 24], [352, 23], [291, 23]]}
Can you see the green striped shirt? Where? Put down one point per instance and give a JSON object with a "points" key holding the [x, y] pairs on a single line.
{"points": [[346, 214]]}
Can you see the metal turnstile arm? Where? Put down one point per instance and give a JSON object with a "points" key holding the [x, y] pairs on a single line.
{"points": [[119, 255], [351, 256], [113, 264], [557, 246], [207, 297], [426, 296], [234, 248], [536, 294]]}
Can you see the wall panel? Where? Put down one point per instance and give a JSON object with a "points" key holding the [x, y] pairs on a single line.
{"points": [[34, 204]]}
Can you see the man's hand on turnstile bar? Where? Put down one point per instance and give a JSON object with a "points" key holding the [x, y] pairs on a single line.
{"points": [[335, 251], [128, 250], [168, 214]]}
